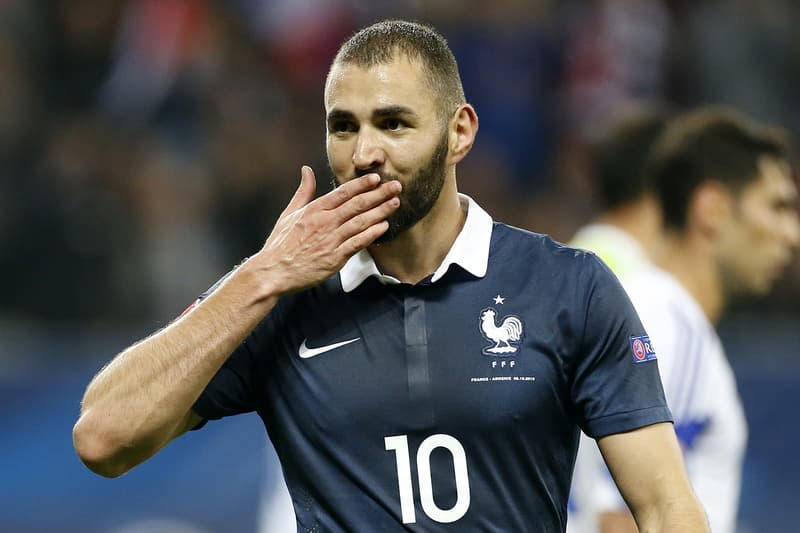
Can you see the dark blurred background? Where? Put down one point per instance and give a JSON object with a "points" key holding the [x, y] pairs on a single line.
{"points": [[148, 146]]}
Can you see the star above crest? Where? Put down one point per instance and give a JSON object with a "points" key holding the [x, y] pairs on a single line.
{"points": [[499, 300]]}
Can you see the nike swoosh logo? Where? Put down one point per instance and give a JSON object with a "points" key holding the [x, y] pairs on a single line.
{"points": [[306, 353]]}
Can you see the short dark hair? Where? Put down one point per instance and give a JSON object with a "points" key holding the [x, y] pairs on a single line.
{"points": [[619, 158], [710, 143], [381, 42]]}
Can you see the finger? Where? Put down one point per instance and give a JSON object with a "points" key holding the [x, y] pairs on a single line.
{"points": [[361, 240], [366, 201], [305, 192], [345, 192], [367, 219]]}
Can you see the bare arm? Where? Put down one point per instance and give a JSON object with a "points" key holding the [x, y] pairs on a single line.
{"points": [[648, 469], [143, 398]]}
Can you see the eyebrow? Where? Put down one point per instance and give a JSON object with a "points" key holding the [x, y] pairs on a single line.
{"points": [[338, 114], [392, 111], [382, 112]]}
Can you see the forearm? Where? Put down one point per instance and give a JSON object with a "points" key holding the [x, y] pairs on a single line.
{"points": [[648, 469], [684, 515], [143, 398]]}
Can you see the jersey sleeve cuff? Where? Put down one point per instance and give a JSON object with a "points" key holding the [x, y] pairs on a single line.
{"points": [[205, 408], [622, 422], [200, 424]]}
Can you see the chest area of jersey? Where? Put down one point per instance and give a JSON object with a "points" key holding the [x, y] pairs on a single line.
{"points": [[407, 362]]}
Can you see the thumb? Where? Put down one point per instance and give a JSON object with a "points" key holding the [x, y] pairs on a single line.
{"points": [[305, 192]]}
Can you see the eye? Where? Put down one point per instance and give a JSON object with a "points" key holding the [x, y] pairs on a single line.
{"points": [[783, 205], [342, 126], [394, 124]]}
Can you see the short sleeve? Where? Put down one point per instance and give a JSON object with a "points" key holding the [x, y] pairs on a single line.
{"points": [[616, 385], [232, 389]]}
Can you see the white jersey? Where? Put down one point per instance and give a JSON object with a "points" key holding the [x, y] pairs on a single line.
{"points": [[698, 382], [700, 389]]}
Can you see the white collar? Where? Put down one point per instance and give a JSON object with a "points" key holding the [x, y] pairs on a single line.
{"points": [[470, 251]]}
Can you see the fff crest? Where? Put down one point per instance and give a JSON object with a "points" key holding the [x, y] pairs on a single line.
{"points": [[504, 336]]}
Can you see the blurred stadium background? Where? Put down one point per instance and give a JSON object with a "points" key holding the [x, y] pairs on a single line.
{"points": [[146, 146]]}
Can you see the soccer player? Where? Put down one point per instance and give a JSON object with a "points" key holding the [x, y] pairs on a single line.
{"points": [[417, 365], [730, 223], [626, 236]]}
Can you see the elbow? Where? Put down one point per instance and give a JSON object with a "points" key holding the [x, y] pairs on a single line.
{"points": [[97, 450]]}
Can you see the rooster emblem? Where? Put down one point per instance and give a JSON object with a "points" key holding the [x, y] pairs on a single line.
{"points": [[510, 330]]}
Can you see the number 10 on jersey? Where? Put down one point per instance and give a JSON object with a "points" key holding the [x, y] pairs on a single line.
{"points": [[399, 444]]}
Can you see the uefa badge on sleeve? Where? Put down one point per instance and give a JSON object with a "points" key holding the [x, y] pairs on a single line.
{"points": [[642, 349]]}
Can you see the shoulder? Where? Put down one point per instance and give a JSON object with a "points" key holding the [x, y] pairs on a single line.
{"points": [[559, 275], [544, 257], [527, 245]]}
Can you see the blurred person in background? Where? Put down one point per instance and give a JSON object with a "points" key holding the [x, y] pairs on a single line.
{"points": [[757, 44], [628, 230], [626, 236], [386, 275], [728, 198]]}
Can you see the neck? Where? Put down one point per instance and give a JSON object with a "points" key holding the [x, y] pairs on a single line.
{"points": [[641, 220], [690, 259], [417, 253]]}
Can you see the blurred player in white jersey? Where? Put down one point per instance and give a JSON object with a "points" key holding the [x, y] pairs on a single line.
{"points": [[626, 235], [730, 226]]}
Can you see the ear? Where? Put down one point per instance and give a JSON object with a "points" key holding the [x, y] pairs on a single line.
{"points": [[461, 133], [711, 207]]}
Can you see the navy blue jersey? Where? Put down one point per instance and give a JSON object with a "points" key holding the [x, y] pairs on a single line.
{"points": [[450, 405]]}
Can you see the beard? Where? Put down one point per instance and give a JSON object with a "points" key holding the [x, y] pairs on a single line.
{"points": [[419, 193]]}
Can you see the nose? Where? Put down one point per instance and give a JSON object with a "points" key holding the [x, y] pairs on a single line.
{"points": [[368, 152]]}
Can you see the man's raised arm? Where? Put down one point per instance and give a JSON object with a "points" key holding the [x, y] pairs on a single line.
{"points": [[143, 398]]}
